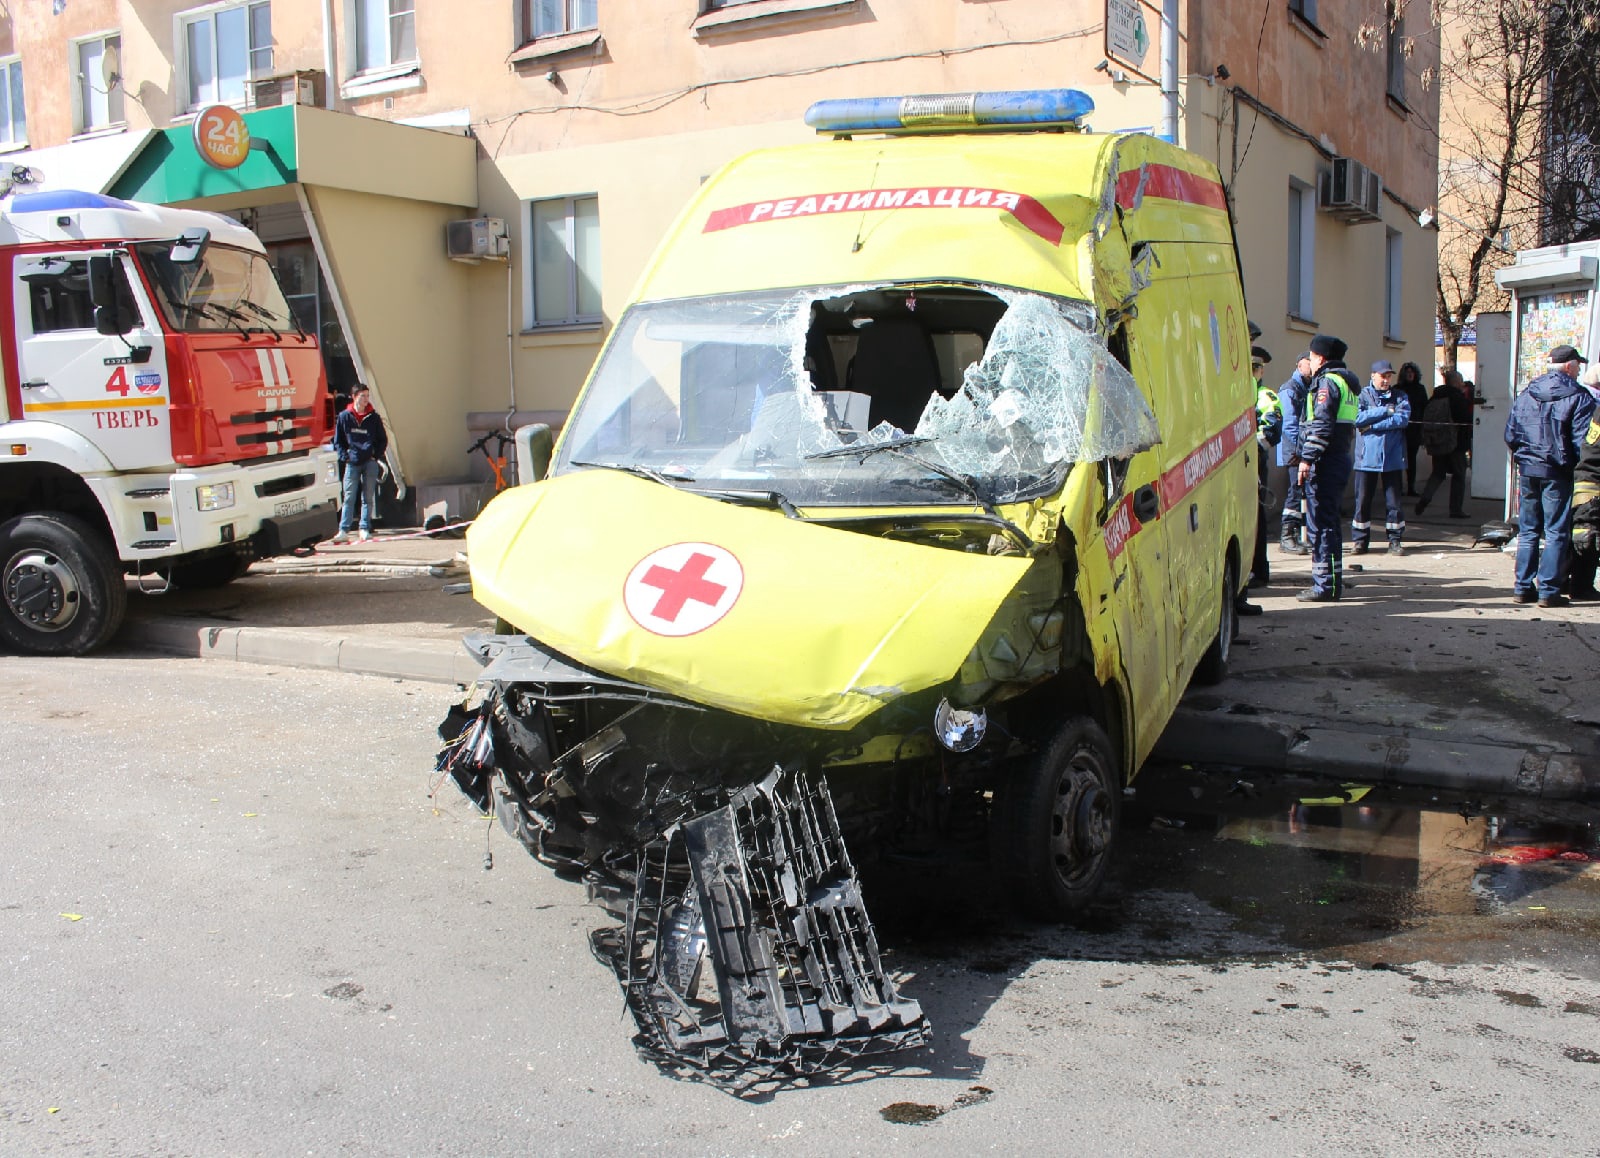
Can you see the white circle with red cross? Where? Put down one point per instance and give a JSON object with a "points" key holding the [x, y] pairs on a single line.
{"points": [[682, 589]]}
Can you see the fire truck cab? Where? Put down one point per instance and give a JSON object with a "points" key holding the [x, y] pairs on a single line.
{"points": [[163, 412]]}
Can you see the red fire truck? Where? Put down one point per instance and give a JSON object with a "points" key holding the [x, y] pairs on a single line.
{"points": [[164, 412]]}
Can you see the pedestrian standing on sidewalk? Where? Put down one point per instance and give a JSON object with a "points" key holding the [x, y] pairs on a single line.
{"points": [[1269, 429], [1382, 416], [359, 441], [1416, 392], [1586, 512], [1327, 456], [1549, 421], [1292, 402], [1446, 436]]}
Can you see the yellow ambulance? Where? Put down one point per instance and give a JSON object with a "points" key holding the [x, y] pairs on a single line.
{"points": [[910, 491]]}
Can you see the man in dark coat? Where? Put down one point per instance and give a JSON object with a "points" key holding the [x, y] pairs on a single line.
{"points": [[1446, 423], [1545, 432], [360, 441], [1327, 456]]}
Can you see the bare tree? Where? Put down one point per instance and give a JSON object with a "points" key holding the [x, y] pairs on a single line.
{"points": [[1519, 102]]}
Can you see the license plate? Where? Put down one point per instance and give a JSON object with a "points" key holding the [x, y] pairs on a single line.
{"points": [[292, 507]]}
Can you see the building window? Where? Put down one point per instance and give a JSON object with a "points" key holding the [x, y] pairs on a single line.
{"points": [[1305, 9], [564, 240], [1302, 252], [1396, 47], [1392, 284], [224, 50], [714, 5], [386, 33], [13, 118], [99, 86], [553, 17]]}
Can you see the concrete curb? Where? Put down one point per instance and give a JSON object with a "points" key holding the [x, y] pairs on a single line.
{"points": [[425, 660]]}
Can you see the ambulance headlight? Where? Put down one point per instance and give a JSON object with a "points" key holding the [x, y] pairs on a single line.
{"points": [[214, 496], [959, 729]]}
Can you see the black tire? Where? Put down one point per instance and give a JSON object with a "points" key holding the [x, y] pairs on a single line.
{"points": [[1213, 666], [61, 586], [1054, 823], [203, 574]]}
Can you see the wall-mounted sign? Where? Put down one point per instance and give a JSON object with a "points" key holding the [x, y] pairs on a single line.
{"points": [[221, 137], [1128, 32]]}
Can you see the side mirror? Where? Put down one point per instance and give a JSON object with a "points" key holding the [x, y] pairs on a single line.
{"points": [[535, 444], [111, 316]]}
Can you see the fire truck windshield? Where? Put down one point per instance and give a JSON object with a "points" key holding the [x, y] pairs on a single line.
{"points": [[227, 288]]}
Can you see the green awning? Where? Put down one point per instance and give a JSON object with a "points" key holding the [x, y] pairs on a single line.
{"points": [[169, 169]]}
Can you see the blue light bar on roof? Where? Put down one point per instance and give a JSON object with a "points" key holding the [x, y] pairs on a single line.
{"points": [[60, 200], [1036, 107]]}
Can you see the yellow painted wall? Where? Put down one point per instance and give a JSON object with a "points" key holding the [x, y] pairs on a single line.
{"points": [[408, 307]]}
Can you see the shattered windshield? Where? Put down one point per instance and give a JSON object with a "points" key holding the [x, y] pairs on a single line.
{"points": [[876, 395]]}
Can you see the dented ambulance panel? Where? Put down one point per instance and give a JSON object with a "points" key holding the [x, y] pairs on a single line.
{"points": [[719, 603], [909, 455]]}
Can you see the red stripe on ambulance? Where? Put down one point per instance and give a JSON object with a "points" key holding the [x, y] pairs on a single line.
{"points": [[1171, 183], [1176, 483], [1028, 211]]}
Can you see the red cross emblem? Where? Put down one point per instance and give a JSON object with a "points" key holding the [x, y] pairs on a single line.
{"points": [[683, 589]]}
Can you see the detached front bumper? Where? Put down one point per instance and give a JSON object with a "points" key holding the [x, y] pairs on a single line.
{"points": [[744, 951]]}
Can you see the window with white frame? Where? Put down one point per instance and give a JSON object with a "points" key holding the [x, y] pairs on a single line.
{"points": [[99, 91], [564, 260], [1391, 284], [386, 33], [224, 49], [13, 118], [553, 17], [1302, 249]]}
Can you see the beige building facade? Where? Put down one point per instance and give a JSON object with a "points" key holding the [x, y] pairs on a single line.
{"points": [[584, 125]]}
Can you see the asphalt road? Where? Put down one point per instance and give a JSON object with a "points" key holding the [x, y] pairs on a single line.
{"points": [[234, 921]]}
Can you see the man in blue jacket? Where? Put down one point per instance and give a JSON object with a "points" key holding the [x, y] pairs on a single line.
{"points": [[1382, 414], [1327, 456], [360, 441], [1292, 401], [1545, 435]]}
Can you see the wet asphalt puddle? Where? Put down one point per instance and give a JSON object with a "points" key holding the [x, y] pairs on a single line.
{"points": [[1373, 887]]}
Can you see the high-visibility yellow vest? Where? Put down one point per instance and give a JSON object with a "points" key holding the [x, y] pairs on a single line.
{"points": [[1349, 401]]}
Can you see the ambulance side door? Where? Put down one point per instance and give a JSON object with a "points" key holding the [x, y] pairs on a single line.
{"points": [[111, 389], [1134, 533]]}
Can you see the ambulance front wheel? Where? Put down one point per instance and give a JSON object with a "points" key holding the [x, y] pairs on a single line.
{"points": [[61, 588], [1213, 666], [1054, 821]]}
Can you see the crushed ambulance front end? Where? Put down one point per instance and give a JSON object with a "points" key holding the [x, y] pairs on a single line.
{"points": [[804, 571]]}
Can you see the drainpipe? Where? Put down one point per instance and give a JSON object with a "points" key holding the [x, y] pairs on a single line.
{"points": [[1169, 70], [329, 79]]}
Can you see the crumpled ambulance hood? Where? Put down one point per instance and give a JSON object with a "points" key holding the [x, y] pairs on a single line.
{"points": [[729, 606]]}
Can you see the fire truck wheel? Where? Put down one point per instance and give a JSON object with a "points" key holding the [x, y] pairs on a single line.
{"points": [[217, 571], [1054, 821], [60, 585], [1213, 666]]}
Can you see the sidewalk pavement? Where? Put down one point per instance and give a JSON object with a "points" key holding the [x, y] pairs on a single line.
{"points": [[378, 608], [1426, 646]]}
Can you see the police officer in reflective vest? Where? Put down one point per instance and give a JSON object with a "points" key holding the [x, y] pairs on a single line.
{"points": [[1327, 456], [1269, 429]]}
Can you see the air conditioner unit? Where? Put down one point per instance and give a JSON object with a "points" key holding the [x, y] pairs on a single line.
{"points": [[477, 239], [294, 88], [1350, 190]]}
